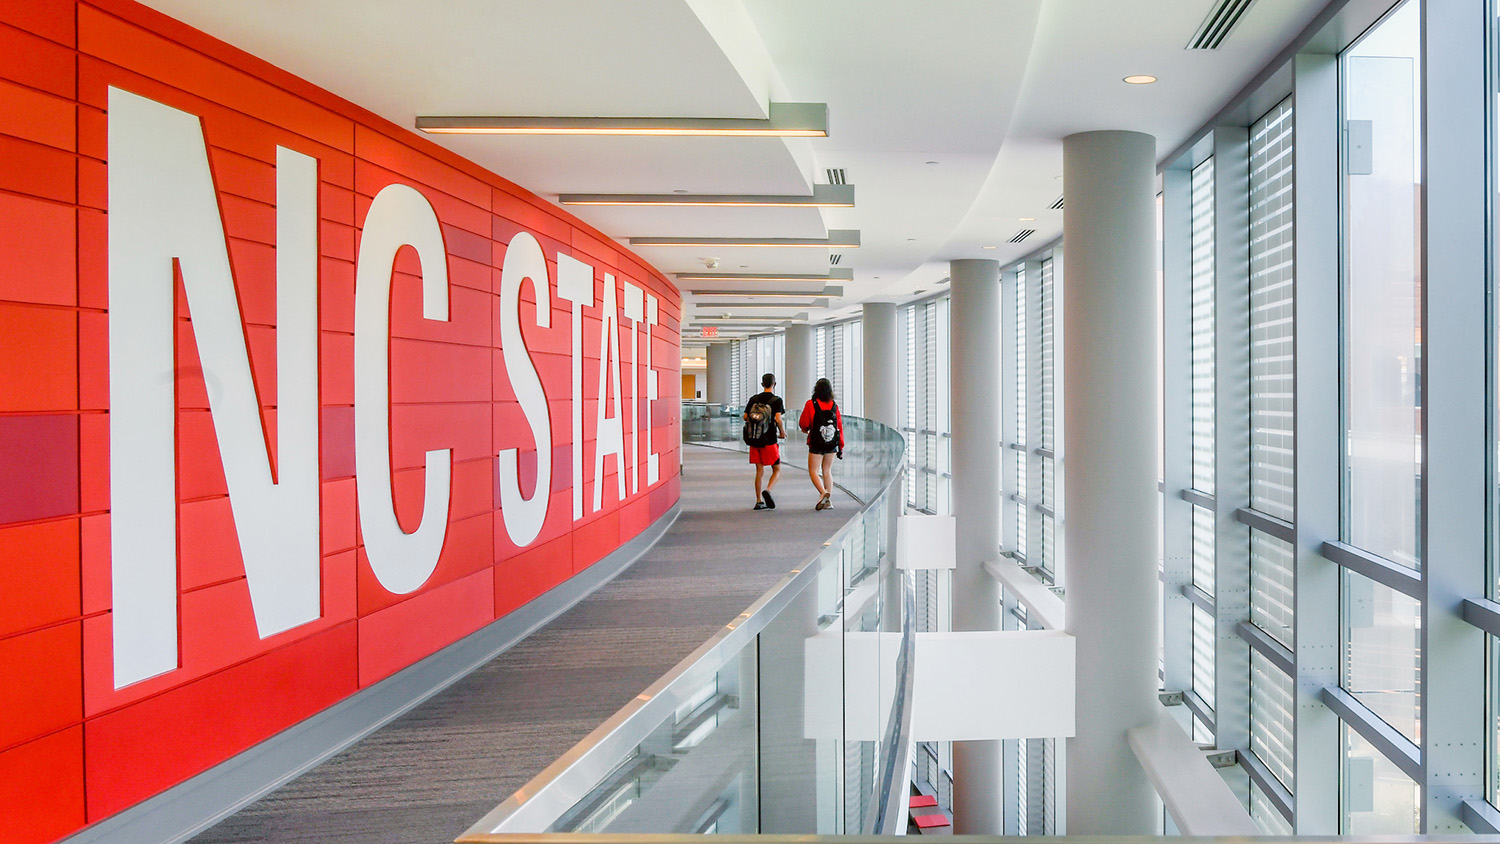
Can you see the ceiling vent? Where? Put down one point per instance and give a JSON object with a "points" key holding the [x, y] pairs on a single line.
{"points": [[1217, 25], [835, 258], [836, 177], [1022, 235], [1058, 205]]}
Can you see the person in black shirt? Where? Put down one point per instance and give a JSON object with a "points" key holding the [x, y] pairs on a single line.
{"points": [[763, 427]]}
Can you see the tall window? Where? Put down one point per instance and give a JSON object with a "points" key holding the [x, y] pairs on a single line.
{"points": [[1047, 362], [1381, 393], [1272, 471], [839, 356], [1203, 391], [925, 405]]}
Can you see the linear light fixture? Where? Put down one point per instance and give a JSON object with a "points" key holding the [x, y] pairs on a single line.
{"points": [[838, 274], [823, 196], [825, 293], [734, 306], [786, 120], [703, 320], [836, 239]]}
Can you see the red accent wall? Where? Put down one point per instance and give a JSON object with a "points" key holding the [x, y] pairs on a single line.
{"points": [[73, 749]]}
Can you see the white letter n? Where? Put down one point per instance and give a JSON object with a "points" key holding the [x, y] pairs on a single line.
{"points": [[163, 208]]}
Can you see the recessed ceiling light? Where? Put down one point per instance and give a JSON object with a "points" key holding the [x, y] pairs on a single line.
{"points": [[1027, 219], [1140, 79], [680, 190], [989, 247], [932, 162], [918, 292], [910, 239]]}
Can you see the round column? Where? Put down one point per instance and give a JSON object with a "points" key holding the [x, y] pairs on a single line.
{"points": [[974, 347], [878, 330], [799, 366], [718, 374], [1109, 388]]}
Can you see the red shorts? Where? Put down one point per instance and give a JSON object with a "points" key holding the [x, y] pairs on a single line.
{"points": [[765, 455]]}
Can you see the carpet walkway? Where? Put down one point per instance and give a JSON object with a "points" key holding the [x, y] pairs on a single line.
{"points": [[427, 776]]}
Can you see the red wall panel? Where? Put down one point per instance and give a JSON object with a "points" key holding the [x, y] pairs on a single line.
{"points": [[449, 390]]}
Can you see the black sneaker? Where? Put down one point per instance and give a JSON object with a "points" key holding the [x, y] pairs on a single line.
{"points": [[761, 505], [770, 502]]}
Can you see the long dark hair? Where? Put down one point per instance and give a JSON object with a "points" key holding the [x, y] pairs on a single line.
{"points": [[823, 390]]}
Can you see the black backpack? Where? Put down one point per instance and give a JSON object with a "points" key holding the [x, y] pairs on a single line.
{"points": [[760, 427], [825, 426]]}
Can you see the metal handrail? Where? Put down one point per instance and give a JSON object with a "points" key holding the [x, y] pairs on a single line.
{"points": [[570, 778]]}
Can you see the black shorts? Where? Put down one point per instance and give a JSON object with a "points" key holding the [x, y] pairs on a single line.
{"points": [[819, 448]]}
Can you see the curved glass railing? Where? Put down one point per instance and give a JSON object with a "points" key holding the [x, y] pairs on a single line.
{"points": [[873, 452], [793, 718]]}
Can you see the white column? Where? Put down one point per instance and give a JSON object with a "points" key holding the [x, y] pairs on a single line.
{"points": [[718, 374], [1109, 302], [799, 366], [975, 409], [880, 367]]}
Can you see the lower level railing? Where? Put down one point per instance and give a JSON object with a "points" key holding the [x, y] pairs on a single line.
{"points": [[793, 718]]}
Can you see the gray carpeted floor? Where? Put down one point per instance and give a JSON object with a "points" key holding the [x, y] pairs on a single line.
{"points": [[427, 776]]}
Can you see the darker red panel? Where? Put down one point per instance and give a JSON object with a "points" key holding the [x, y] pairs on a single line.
{"points": [[400, 635], [141, 749], [40, 575], [44, 689], [38, 467], [41, 788]]}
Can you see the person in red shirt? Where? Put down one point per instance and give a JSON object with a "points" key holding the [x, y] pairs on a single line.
{"points": [[824, 426]]}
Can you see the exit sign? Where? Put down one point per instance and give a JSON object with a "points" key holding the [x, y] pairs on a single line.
{"points": [[710, 331]]}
